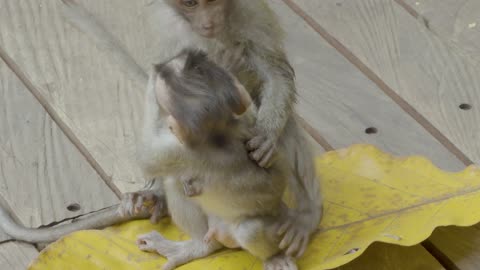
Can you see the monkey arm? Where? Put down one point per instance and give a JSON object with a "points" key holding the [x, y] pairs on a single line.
{"points": [[278, 96]]}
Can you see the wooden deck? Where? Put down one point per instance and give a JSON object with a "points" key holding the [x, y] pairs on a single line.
{"points": [[68, 116]]}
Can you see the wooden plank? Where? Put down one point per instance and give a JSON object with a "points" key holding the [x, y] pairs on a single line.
{"points": [[404, 58], [94, 102], [337, 100], [458, 23], [455, 21], [137, 43], [460, 245], [341, 103], [423, 70], [16, 256], [381, 256], [41, 172]]}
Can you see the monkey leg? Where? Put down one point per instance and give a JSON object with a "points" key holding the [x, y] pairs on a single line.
{"points": [[177, 253], [220, 231], [303, 220], [258, 236]]}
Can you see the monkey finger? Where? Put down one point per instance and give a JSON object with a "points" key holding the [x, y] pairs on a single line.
{"points": [[267, 159], [156, 214], [294, 245], [287, 239], [284, 227], [127, 203], [138, 205], [303, 247], [255, 143], [272, 159], [258, 154]]}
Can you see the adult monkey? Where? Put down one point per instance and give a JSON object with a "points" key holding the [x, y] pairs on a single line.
{"points": [[245, 37]]}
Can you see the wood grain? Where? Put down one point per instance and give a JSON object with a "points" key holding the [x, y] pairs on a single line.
{"points": [[16, 256], [41, 172], [416, 64], [460, 245], [434, 77], [455, 21], [338, 101], [389, 257], [341, 103], [92, 98]]}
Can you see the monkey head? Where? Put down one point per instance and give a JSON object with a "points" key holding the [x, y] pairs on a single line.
{"points": [[206, 17], [203, 100]]}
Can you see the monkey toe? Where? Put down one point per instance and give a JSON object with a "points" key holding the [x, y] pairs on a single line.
{"points": [[280, 262]]}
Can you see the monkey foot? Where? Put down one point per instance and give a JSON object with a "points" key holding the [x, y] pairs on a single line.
{"points": [[280, 262], [296, 232], [138, 203], [177, 253]]}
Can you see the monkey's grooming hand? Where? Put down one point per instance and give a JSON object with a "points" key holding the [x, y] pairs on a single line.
{"points": [[296, 231], [134, 204], [262, 149]]}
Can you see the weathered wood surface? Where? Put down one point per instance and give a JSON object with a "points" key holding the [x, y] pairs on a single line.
{"points": [[101, 107], [458, 23], [41, 172], [455, 21], [431, 75], [341, 103], [91, 97], [388, 257], [16, 256], [413, 62], [338, 101], [460, 245]]}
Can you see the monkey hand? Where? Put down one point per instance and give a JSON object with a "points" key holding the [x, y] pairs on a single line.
{"points": [[262, 149], [143, 202], [296, 231]]}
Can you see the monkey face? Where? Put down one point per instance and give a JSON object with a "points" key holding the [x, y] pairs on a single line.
{"points": [[206, 17]]}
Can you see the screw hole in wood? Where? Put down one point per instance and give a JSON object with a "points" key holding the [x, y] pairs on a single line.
{"points": [[371, 130], [74, 207], [465, 106]]}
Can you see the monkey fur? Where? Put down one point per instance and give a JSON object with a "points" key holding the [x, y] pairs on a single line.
{"points": [[244, 37]]}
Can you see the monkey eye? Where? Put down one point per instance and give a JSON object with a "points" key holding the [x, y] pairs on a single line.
{"points": [[190, 3]]}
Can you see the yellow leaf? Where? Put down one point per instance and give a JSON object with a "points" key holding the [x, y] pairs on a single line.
{"points": [[369, 196]]}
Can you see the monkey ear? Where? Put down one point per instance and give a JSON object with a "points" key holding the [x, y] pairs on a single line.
{"points": [[177, 129], [245, 99]]}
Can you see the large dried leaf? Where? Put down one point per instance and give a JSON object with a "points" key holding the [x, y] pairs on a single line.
{"points": [[369, 196]]}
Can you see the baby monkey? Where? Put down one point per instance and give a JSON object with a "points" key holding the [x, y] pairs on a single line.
{"points": [[197, 120]]}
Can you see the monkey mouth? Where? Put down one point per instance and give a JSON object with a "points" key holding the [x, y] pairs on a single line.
{"points": [[214, 32]]}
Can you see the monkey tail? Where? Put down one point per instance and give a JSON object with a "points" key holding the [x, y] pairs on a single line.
{"points": [[98, 220], [78, 16]]}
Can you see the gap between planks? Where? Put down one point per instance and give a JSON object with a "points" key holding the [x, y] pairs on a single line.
{"points": [[442, 258], [353, 59], [57, 119]]}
